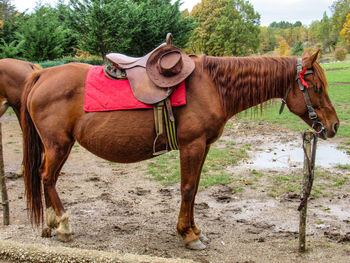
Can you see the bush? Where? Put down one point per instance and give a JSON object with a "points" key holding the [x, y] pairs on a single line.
{"points": [[340, 53]]}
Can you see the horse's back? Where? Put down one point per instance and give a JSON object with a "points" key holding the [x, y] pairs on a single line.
{"points": [[59, 83]]}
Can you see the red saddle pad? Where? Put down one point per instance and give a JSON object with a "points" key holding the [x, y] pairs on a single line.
{"points": [[105, 94]]}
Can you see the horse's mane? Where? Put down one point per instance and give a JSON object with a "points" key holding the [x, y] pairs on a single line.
{"points": [[243, 82]]}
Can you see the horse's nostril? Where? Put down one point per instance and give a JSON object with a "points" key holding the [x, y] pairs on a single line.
{"points": [[335, 127]]}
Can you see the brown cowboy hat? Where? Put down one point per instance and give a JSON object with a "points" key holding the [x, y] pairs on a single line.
{"points": [[168, 66]]}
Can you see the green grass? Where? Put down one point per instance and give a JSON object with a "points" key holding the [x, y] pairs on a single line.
{"points": [[336, 65], [166, 168]]}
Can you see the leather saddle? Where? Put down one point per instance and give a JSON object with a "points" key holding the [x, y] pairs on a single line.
{"points": [[154, 76]]}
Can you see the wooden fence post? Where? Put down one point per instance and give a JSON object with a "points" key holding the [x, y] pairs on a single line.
{"points": [[306, 178], [4, 197]]}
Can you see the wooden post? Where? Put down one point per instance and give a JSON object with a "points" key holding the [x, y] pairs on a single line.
{"points": [[306, 178], [4, 197]]}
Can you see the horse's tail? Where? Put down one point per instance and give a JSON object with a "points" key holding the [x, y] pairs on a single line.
{"points": [[32, 155]]}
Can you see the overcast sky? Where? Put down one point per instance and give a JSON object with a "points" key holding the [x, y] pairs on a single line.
{"points": [[305, 11]]}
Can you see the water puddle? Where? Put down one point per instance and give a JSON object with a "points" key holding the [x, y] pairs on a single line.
{"points": [[291, 155]]}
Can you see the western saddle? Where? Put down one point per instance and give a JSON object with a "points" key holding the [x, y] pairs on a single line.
{"points": [[153, 78]]}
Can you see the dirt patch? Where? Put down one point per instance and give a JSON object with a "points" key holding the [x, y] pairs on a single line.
{"points": [[118, 208]]}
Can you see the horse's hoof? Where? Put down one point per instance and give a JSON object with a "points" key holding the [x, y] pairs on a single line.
{"points": [[64, 237], [46, 232], [203, 238], [196, 245]]}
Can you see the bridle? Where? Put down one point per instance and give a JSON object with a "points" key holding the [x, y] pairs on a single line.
{"points": [[303, 86]]}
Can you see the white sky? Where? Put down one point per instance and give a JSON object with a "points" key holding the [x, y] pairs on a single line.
{"points": [[305, 11]]}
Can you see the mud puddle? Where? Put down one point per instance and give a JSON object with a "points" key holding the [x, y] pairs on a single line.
{"points": [[292, 155]]}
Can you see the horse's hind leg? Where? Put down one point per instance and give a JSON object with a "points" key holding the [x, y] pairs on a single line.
{"points": [[192, 157], [56, 217]]}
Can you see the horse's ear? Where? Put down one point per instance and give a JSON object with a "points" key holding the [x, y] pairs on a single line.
{"points": [[308, 59], [314, 57]]}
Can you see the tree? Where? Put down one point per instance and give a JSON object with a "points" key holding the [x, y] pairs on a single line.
{"points": [[42, 34], [8, 25], [11, 50], [313, 32], [298, 49], [325, 33], [340, 10], [71, 39], [284, 49], [345, 32], [226, 27], [130, 27], [94, 23]]}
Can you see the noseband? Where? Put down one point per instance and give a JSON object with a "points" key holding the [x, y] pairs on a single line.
{"points": [[303, 86]]}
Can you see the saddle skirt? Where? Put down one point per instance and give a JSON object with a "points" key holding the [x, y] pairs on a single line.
{"points": [[105, 94]]}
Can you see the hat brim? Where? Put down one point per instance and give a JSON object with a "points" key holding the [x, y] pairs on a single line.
{"points": [[168, 81]]}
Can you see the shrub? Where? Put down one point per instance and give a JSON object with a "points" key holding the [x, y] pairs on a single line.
{"points": [[340, 53]]}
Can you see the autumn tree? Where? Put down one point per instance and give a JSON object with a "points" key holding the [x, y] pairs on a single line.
{"points": [[226, 27], [284, 49], [340, 10], [345, 32]]}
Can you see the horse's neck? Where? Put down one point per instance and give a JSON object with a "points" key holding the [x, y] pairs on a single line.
{"points": [[246, 82]]}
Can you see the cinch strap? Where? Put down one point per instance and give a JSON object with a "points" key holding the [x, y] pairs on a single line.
{"points": [[161, 110]]}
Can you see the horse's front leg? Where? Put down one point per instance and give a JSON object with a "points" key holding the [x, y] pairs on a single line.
{"points": [[192, 157], [196, 230]]}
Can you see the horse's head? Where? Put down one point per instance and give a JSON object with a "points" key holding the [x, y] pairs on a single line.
{"points": [[309, 98]]}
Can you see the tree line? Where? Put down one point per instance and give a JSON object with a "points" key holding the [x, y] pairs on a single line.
{"points": [[82, 28]]}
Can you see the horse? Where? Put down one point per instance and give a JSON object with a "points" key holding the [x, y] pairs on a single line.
{"points": [[13, 73], [53, 118]]}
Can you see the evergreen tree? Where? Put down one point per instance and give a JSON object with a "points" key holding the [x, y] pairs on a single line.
{"points": [[42, 34], [130, 27], [9, 45], [7, 21], [298, 49]]}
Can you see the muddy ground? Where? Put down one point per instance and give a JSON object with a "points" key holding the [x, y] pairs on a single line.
{"points": [[118, 208]]}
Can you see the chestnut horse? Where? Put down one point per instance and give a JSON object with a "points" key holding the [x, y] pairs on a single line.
{"points": [[53, 119], [13, 73]]}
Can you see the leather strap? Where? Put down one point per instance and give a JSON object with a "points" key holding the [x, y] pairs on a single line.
{"points": [[161, 109], [299, 69], [158, 123]]}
